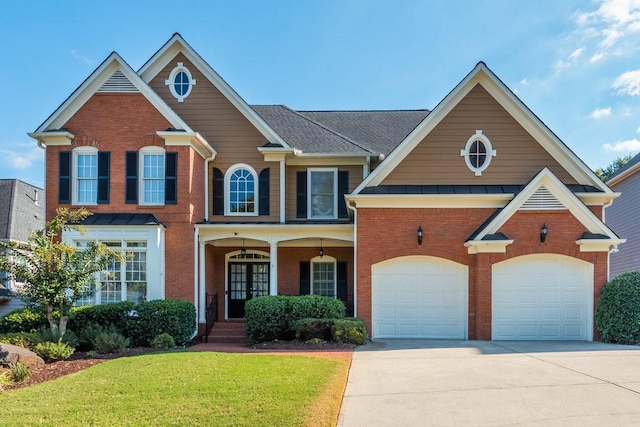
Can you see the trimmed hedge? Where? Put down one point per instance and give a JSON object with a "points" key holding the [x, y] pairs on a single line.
{"points": [[349, 331], [272, 317], [112, 315], [26, 319], [618, 313], [174, 317], [310, 328], [21, 339]]}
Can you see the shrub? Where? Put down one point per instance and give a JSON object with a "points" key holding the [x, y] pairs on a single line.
{"points": [[69, 338], [110, 342], [87, 335], [106, 315], [174, 317], [21, 339], [5, 380], [26, 319], [618, 313], [163, 341], [350, 331], [315, 306], [51, 351], [265, 318], [310, 328], [19, 372]]}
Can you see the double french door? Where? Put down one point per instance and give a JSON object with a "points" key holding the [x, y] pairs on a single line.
{"points": [[246, 280]]}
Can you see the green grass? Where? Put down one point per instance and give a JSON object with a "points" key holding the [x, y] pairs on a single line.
{"points": [[185, 388]]}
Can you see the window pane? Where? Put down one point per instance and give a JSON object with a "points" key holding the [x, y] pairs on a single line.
{"points": [[323, 279], [241, 192], [322, 194], [87, 178], [153, 178]]}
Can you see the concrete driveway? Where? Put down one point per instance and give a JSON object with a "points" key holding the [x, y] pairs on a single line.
{"points": [[492, 383]]}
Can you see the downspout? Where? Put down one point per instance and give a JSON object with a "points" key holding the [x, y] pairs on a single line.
{"points": [[44, 192], [196, 280], [206, 185], [355, 257]]}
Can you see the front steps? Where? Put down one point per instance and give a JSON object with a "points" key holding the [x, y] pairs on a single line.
{"points": [[228, 332]]}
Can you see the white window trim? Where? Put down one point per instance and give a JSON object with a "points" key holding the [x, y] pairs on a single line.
{"points": [[227, 190], [325, 259], [172, 76], [84, 150], [335, 193], [153, 151], [478, 136]]}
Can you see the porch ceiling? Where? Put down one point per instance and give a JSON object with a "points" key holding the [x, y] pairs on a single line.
{"points": [[284, 235]]}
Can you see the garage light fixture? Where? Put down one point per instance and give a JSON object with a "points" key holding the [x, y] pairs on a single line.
{"points": [[420, 235], [543, 233]]}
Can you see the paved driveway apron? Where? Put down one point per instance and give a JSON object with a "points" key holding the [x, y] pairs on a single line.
{"points": [[492, 383]]}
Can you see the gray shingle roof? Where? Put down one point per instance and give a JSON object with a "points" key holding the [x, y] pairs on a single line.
{"points": [[122, 219], [341, 132], [19, 213]]}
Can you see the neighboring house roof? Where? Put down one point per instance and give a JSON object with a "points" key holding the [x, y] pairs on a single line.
{"points": [[20, 209], [483, 76], [626, 171], [122, 219]]}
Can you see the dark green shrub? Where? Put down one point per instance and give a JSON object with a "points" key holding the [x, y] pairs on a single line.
{"points": [[69, 338], [349, 331], [174, 317], [19, 373], [314, 306], [26, 319], [110, 342], [163, 341], [51, 351], [265, 318], [87, 335], [106, 315], [21, 339], [618, 313], [309, 328]]}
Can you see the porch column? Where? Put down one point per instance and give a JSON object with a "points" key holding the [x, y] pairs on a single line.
{"points": [[203, 289], [273, 270]]}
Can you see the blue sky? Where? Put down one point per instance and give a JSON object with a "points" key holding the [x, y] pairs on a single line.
{"points": [[576, 64]]}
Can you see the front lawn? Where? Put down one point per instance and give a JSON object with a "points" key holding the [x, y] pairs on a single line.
{"points": [[187, 388]]}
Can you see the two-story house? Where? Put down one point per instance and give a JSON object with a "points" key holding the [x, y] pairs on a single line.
{"points": [[470, 221]]}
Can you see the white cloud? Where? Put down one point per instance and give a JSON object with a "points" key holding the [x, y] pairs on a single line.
{"points": [[599, 113], [577, 53], [596, 58], [74, 53], [560, 64], [627, 146], [22, 159], [628, 83], [524, 82], [638, 131]]}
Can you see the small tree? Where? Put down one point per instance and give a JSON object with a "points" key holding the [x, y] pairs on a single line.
{"points": [[56, 274], [615, 166]]}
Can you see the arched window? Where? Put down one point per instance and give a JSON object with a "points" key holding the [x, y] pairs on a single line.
{"points": [[241, 185]]}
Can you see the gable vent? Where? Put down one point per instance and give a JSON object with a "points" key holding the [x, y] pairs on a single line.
{"points": [[118, 82], [542, 199]]}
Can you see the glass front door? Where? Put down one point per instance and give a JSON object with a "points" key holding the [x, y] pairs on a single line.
{"points": [[246, 280]]}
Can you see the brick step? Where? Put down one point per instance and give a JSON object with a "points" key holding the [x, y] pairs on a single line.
{"points": [[227, 340], [227, 332], [234, 326]]}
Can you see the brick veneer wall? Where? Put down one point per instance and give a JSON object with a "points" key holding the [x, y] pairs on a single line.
{"points": [[446, 230]]}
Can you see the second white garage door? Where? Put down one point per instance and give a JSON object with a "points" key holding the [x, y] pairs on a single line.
{"points": [[419, 297], [542, 297]]}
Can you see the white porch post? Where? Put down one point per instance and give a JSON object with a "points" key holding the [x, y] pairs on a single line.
{"points": [[273, 270], [203, 295]]}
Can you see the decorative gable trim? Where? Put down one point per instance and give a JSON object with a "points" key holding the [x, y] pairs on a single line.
{"points": [[177, 44], [97, 80], [555, 189], [483, 76]]}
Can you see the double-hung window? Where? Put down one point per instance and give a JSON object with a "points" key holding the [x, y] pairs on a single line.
{"points": [[86, 175], [152, 174], [322, 193], [323, 276], [241, 188]]}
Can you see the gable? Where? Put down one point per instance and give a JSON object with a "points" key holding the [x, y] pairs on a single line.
{"points": [[437, 160]]}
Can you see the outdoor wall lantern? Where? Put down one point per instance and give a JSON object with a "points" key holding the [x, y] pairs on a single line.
{"points": [[321, 249], [543, 233], [420, 235], [243, 251]]}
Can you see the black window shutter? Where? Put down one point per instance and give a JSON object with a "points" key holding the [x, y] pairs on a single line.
{"points": [[263, 190], [343, 188], [64, 177], [104, 160], [131, 171], [218, 192], [341, 276], [171, 178], [305, 277], [301, 194]]}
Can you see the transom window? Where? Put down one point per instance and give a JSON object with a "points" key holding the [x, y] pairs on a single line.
{"points": [[478, 153], [241, 189], [122, 281], [180, 82], [323, 276], [323, 188], [86, 175], [153, 176]]}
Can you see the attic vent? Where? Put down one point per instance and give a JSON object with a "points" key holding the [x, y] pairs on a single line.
{"points": [[118, 82], [542, 199]]}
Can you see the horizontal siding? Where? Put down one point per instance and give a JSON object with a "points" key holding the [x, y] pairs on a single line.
{"points": [[355, 178], [437, 160], [622, 217], [9, 305]]}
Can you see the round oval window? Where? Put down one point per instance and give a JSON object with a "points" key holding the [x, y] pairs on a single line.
{"points": [[477, 154], [181, 83]]}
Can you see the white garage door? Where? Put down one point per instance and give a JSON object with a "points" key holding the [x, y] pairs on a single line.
{"points": [[542, 297], [419, 297]]}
